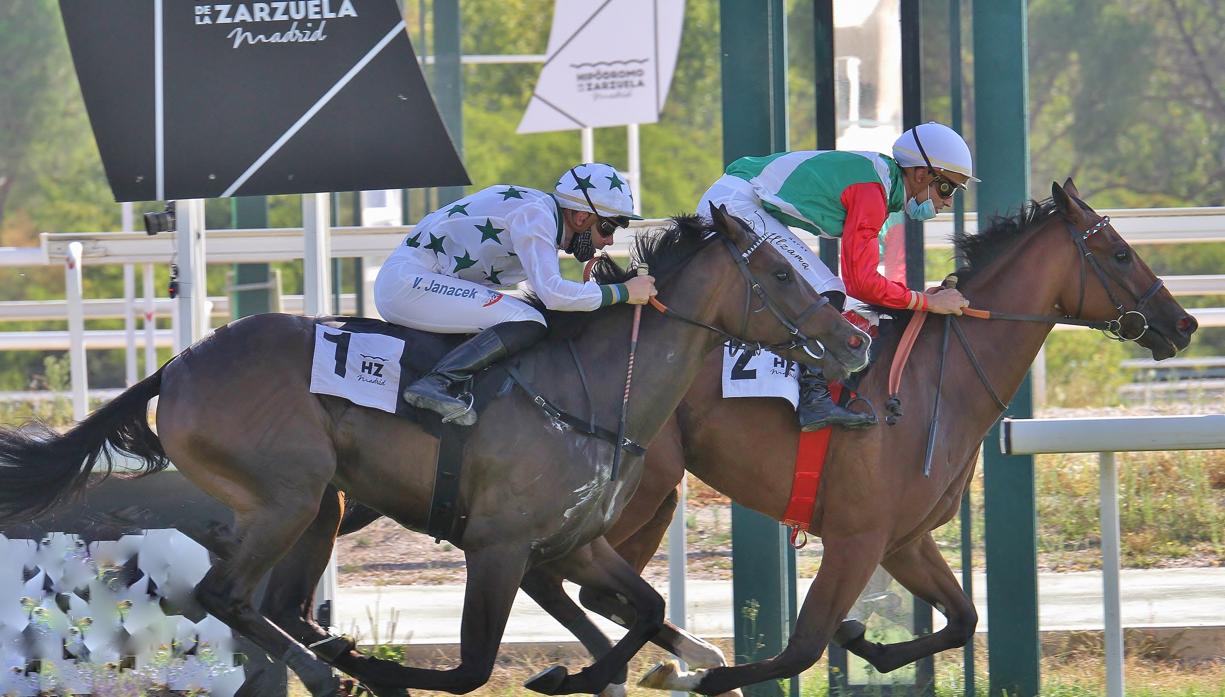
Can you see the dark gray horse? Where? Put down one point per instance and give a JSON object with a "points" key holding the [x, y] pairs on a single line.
{"points": [[237, 419]]}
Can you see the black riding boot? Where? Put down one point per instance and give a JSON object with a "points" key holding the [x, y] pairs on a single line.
{"points": [[433, 391], [817, 409]]}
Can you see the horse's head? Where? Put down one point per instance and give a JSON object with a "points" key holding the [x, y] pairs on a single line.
{"points": [[778, 308], [1115, 284]]}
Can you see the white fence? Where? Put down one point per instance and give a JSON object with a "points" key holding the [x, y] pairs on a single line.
{"points": [[1106, 436]]}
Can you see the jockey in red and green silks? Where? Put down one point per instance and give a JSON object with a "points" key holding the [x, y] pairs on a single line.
{"points": [[848, 196]]}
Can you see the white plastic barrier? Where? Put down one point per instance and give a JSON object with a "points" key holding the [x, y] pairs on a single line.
{"points": [[1106, 436]]}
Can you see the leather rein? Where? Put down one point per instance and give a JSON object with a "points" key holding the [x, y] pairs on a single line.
{"points": [[1112, 329], [798, 340]]}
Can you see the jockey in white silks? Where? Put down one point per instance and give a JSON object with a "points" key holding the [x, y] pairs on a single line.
{"points": [[443, 277], [848, 196]]}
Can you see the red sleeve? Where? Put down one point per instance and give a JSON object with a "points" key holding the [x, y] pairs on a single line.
{"points": [[865, 214]]}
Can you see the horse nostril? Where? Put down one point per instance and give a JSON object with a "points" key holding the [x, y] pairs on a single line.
{"points": [[855, 341], [1187, 324]]}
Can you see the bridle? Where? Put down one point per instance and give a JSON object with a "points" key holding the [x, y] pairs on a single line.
{"points": [[1111, 328], [1114, 329], [799, 340]]}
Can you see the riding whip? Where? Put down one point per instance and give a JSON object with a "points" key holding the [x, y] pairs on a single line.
{"points": [[629, 376]]}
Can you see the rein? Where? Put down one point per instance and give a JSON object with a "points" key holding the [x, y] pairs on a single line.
{"points": [[1112, 329]]}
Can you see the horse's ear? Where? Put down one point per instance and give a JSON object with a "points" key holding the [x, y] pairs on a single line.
{"points": [[728, 224], [1067, 207], [1070, 187]]}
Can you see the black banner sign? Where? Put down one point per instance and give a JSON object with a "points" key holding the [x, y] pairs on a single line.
{"points": [[192, 99]]}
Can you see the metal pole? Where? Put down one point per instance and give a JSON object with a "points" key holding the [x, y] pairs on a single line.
{"points": [[1001, 132], [826, 109], [449, 82], [677, 556], [193, 295], [754, 123], [912, 115], [632, 147], [129, 301], [1113, 626], [76, 331], [129, 324], [959, 226], [317, 243], [587, 136], [150, 322]]}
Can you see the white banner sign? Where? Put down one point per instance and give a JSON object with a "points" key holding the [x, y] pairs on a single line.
{"points": [[609, 63]]}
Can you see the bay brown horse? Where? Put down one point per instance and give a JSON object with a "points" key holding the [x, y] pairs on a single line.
{"points": [[236, 417], [875, 506]]}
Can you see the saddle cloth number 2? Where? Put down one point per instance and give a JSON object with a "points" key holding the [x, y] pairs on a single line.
{"points": [[362, 368]]}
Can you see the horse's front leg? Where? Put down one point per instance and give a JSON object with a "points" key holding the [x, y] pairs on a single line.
{"points": [[922, 570], [846, 566]]}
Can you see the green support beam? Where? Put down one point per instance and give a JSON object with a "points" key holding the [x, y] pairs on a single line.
{"points": [[449, 83], [1002, 152], [250, 212], [755, 123]]}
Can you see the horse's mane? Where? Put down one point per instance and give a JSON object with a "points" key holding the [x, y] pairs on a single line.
{"points": [[977, 251], [981, 248], [663, 252]]}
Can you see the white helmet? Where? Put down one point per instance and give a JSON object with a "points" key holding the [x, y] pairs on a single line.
{"points": [[934, 145], [595, 185]]}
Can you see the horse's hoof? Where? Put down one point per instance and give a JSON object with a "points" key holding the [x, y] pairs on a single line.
{"points": [[332, 687], [614, 690], [849, 631], [661, 677], [547, 681]]}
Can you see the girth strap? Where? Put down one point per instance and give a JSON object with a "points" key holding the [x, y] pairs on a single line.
{"points": [[575, 423]]}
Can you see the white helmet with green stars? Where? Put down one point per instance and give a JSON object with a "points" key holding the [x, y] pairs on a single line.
{"points": [[596, 186]]}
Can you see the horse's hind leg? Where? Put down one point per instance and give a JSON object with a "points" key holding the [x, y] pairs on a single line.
{"points": [[267, 525], [922, 570], [598, 566], [638, 547], [545, 588]]}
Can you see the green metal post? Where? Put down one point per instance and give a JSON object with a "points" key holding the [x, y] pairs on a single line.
{"points": [[1001, 129], [248, 213], [755, 123], [826, 109], [449, 83]]}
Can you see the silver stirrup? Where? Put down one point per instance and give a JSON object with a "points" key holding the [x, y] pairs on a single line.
{"points": [[456, 414]]}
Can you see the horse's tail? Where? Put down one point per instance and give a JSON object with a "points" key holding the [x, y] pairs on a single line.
{"points": [[39, 467]]}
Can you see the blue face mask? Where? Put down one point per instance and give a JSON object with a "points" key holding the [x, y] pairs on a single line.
{"points": [[920, 211]]}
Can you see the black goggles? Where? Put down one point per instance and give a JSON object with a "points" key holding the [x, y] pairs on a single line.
{"points": [[607, 226], [945, 187]]}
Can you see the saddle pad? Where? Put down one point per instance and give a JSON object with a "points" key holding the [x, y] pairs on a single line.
{"points": [[361, 367], [760, 375]]}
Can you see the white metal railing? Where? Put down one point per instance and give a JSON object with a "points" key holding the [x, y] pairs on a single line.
{"points": [[1106, 436]]}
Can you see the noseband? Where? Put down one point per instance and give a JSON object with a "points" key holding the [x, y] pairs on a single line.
{"points": [[799, 340], [1113, 328]]}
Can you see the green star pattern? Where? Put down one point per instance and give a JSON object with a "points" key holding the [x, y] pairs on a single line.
{"points": [[492, 277], [511, 192], [461, 208], [463, 262], [435, 244], [614, 182], [414, 241], [583, 184], [489, 232]]}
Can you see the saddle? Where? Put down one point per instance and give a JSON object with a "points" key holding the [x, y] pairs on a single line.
{"points": [[421, 354]]}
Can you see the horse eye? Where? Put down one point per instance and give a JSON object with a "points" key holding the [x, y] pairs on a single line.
{"points": [[783, 276], [1122, 256]]}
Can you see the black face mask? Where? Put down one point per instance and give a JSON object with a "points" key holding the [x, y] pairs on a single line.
{"points": [[581, 246]]}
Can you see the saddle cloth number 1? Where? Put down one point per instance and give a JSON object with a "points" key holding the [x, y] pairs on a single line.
{"points": [[363, 368]]}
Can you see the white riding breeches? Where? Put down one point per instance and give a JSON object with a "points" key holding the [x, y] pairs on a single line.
{"points": [[741, 201], [412, 296]]}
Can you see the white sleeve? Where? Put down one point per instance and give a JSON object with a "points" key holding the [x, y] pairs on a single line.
{"points": [[533, 233]]}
